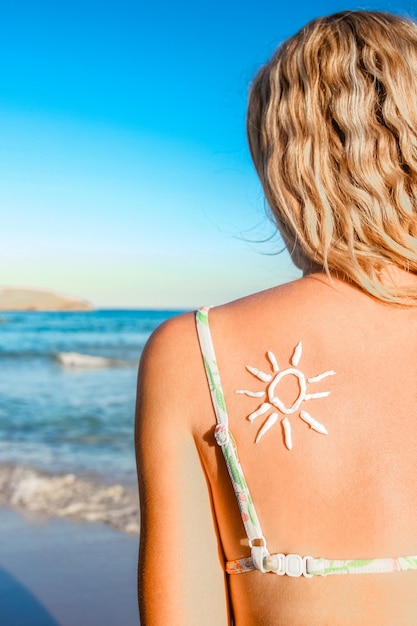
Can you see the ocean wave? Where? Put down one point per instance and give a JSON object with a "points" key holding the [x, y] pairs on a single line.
{"points": [[77, 360], [69, 495]]}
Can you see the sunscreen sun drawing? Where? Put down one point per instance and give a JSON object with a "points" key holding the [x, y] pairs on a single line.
{"points": [[274, 401]]}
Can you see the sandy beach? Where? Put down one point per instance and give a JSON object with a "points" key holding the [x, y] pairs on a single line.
{"points": [[63, 573]]}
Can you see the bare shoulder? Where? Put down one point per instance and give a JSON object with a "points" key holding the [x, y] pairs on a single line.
{"points": [[168, 370], [171, 346], [173, 335], [176, 515]]}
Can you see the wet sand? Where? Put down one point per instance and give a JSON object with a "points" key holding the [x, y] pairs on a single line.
{"points": [[63, 573]]}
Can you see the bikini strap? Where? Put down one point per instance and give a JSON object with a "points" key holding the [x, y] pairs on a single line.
{"points": [[224, 439], [210, 365], [296, 565]]}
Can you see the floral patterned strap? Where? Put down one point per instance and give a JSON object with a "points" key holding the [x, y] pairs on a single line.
{"points": [[210, 365], [222, 434], [325, 567]]}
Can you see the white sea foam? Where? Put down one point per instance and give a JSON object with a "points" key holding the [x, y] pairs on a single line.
{"points": [[68, 495], [77, 360]]}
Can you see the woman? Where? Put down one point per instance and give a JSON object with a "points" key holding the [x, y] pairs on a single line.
{"points": [[325, 367]]}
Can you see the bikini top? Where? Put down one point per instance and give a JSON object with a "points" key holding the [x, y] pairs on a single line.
{"points": [[261, 559]]}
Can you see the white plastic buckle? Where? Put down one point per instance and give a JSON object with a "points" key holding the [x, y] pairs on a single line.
{"points": [[259, 552], [293, 565]]}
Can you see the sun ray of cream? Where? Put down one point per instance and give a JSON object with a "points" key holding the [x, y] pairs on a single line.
{"points": [[315, 424], [266, 378], [262, 409], [297, 354], [318, 394], [251, 394], [287, 432], [273, 360], [268, 424], [316, 379]]}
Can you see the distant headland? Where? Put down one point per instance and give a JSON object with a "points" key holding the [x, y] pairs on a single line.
{"points": [[33, 299]]}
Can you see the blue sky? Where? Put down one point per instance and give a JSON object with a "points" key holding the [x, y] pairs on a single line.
{"points": [[125, 176]]}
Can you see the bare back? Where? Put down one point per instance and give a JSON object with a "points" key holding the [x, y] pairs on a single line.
{"points": [[351, 494]]}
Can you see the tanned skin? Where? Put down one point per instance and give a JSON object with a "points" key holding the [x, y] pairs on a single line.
{"points": [[350, 495]]}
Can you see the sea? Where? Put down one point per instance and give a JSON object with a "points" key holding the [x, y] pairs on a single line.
{"points": [[67, 404]]}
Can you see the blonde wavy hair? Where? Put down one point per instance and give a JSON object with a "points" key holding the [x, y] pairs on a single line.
{"points": [[332, 129]]}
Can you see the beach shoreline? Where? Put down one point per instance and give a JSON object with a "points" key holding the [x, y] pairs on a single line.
{"points": [[59, 572]]}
